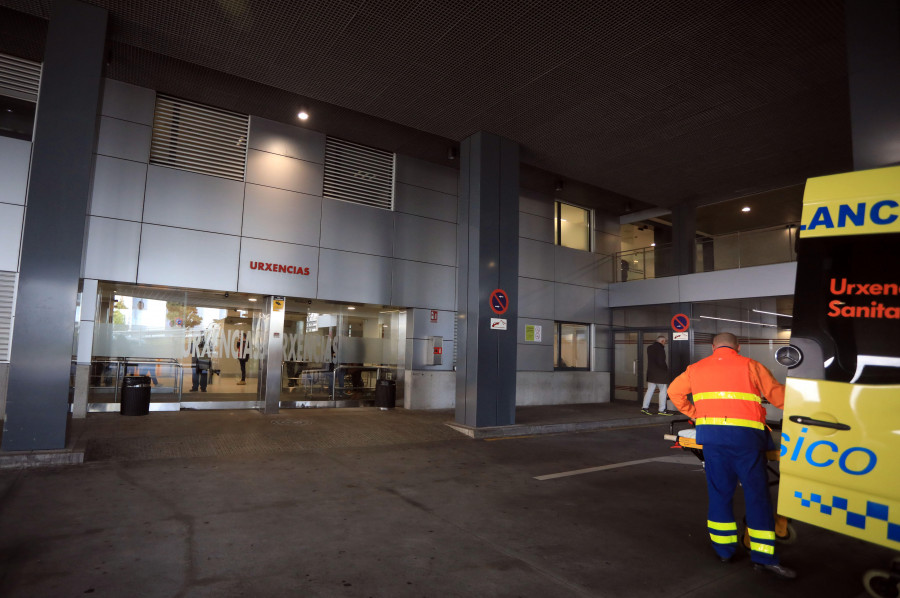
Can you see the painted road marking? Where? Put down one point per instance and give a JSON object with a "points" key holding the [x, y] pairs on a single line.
{"points": [[681, 459]]}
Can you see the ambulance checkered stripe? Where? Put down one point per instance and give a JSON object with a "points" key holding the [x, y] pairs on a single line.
{"points": [[874, 511]]}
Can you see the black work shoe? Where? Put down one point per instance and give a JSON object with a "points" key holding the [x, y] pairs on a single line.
{"points": [[777, 570]]}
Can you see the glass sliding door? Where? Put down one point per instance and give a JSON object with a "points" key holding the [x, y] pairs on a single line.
{"points": [[626, 366]]}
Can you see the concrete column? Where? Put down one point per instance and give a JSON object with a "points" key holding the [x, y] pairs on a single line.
{"points": [[873, 61], [53, 237], [85, 347], [488, 259], [272, 355], [684, 232]]}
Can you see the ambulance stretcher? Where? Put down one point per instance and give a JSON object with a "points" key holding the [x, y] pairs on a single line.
{"points": [[686, 439]]}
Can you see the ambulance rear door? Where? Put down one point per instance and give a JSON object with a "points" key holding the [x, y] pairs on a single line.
{"points": [[840, 453]]}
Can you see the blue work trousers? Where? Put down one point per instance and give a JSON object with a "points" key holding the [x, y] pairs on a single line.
{"points": [[725, 466]]}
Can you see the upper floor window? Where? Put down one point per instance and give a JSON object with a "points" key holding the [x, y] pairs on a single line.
{"points": [[572, 226]]}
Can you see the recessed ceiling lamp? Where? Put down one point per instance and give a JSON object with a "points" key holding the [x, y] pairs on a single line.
{"points": [[652, 244], [351, 308], [745, 209], [253, 299], [303, 115]]}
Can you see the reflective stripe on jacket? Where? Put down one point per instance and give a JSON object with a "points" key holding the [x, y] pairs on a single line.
{"points": [[727, 389]]}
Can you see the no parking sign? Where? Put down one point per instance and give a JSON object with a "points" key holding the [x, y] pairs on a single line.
{"points": [[680, 323]]}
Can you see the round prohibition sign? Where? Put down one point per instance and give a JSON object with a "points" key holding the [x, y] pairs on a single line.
{"points": [[499, 302], [680, 323]]}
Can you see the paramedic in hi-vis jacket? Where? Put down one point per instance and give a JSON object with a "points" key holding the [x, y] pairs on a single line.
{"points": [[731, 425]]}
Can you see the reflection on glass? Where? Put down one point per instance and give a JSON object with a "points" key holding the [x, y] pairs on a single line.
{"points": [[573, 226], [572, 346]]}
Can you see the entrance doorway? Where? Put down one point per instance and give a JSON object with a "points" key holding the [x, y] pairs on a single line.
{"points": [[630, 365]]}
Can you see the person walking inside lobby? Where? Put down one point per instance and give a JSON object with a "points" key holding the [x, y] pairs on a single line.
{"points": [[243, 354], [657, 376], [728, 389]]}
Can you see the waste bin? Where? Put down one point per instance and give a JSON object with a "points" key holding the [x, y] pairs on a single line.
{"points": [[385, 394], [135, 395]]}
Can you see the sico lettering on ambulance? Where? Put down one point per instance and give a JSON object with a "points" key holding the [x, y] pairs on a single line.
{"points": [[855, 460], [880, 213]]}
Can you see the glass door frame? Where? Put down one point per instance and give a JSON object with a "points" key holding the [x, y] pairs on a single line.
{"points": [[640, 357]]}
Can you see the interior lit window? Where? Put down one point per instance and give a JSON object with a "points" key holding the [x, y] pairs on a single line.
{"points": [[572, 226], [572, 346]]}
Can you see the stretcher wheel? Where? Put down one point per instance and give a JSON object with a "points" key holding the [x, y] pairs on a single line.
{"points": [[881, 584]]}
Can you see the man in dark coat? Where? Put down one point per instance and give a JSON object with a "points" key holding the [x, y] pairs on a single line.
{"points": [[657, 375]]}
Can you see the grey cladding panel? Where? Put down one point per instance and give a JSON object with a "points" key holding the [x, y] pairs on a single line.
{"points": [[286, 140], [421, 325], [424, 285], [361, 229], [420, 201], [536, 259], [427, 175], [15, 158], [534, 358], [355, 277], [574, 303], [11, 218], [112, 249], [536, 298], [606, 244], [536, 227], [282, 172], [425, 240], [577, 267], [536, 203], [124, 139], [118, 190], [128, 102], [280, 215], [170, 256], [420, 349], [197, 201]]}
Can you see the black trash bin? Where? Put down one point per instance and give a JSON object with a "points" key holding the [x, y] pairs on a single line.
{"points": [[385, 394], [135, 395]]}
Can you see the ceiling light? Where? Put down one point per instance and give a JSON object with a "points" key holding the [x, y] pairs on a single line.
{"points": [[252, 299], [351, 308], [772, 313], [745, 209], [739, 321], [652, 244], [303, 115]]}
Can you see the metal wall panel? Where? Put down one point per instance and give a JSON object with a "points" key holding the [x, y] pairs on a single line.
{"points": [[536, 298], [118, 188], [419, 324], [261, 280], [425, 240], [607, 223], [650, 292], [536, 227], [190, 200], [532, 357], [10, 236], [577, 267], [536, 259], [427, 174], [280, 215], [282, 172], [128, 102], [188, 258], [123, 139], [607, 244], [423, 285], [418, 355], [15, 159], [361, 229], [536, 203], [355, 277], [573, 303], [112, 249], [286, 140], [420, 201]]}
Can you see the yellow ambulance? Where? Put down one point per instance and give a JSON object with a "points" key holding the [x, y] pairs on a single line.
{"points": [[840, 450]]}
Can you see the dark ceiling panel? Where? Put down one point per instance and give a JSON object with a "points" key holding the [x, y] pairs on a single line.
{"points": [[665, 102]]}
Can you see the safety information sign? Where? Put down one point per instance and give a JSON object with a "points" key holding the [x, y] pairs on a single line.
{"points": [[498, 324]]}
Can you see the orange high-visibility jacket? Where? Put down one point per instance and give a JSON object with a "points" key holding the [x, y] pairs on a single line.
{"points": [[728, 390]]}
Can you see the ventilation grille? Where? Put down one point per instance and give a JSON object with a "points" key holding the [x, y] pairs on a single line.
{"points": [[19, 78], [198, 138], [7, 300], [359, 174]]}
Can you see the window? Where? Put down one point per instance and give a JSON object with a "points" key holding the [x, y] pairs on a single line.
{"points": [[572, 346], [572, 226]]}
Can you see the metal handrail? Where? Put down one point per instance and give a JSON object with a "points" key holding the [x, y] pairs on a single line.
{"points": [[123, 363]]}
